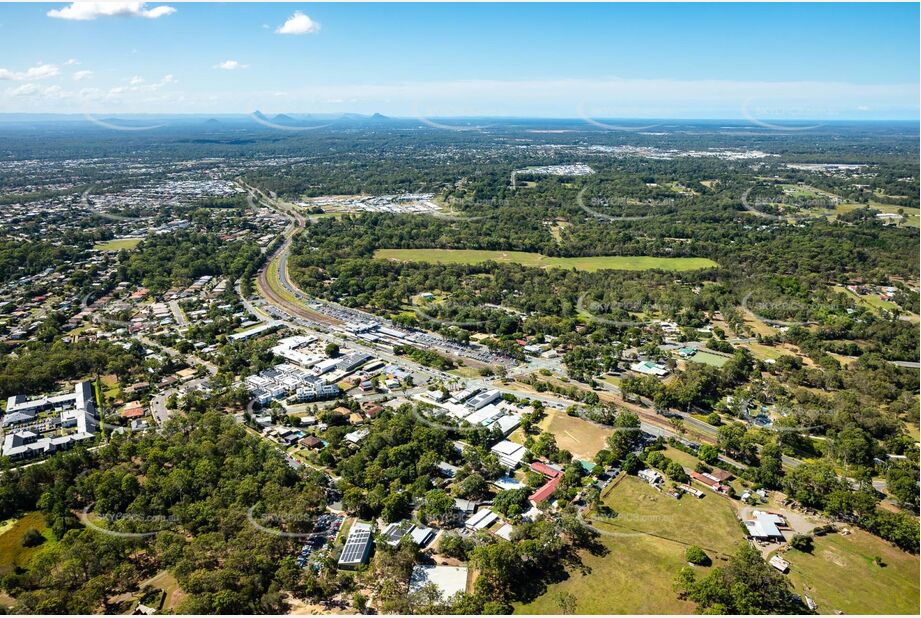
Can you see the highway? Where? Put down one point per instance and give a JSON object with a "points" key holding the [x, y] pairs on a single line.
{"points": [[295, 315]]}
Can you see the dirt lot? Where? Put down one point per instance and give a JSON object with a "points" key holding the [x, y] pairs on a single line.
{"points": [[580, 437]]}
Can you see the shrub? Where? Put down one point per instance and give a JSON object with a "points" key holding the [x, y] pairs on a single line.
{"points": [[802, 542], [32, 538], [696, 555]]}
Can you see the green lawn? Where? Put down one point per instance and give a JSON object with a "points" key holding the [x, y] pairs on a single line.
{"points": [[465, 372], [609, 262], [709, 358], [840, 574], [709, 522], [634, 577], [12, 553], [764, 352], [685, 459], [118, 244], [646, 546]]}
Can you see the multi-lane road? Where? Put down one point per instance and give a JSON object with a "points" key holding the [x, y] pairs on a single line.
{"points": [[297, 315]]}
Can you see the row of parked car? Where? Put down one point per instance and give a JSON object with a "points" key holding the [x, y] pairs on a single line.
{"points": [[324, 530]]}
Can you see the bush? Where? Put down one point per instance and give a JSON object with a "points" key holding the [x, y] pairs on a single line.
{"points": [[802, 542], [455, 546], [32, 538], [632, 464], [696, 555], [708, 454], [676, 472]]}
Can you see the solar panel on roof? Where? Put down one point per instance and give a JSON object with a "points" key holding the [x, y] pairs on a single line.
{"points": [[356, 545]]}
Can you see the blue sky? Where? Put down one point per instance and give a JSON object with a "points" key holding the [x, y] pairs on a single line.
{"points": [[825, 61]]}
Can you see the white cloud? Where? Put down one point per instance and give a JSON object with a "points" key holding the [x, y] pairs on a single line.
{"points": [[299, 23], [53, 91], [84, 11], [138, 84], [39, 71], [71, 62], [24, 90], [81, 75], [230, 65]]}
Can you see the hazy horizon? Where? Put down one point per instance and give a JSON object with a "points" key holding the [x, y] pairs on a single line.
{"points": [[820, 62]]}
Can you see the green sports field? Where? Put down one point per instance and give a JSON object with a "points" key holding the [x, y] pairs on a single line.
{"points": [[118, 244], [606, 262]]}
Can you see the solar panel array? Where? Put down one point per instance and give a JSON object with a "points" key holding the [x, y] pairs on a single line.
{"points": [[356, 545]]}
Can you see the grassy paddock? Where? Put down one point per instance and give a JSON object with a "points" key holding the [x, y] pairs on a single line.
{"points": [[590, 264], [117, 244], [709, 522], [634, 577], [840, 574], [12, 552], [646, 546]]}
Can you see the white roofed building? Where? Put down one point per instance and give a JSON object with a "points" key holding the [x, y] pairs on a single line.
{"points": [[509, 453]]}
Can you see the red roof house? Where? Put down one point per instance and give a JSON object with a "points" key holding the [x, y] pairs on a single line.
{"points": [[545, 492], [709, 481], [542, 468]]}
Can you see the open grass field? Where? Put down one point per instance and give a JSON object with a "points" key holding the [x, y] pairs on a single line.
{"points": [[763, 352], [636, 574], [840, 574], [465, 372], [757, 325], [118, 244], [536, 260], [580, 437], [634, 577], [685, 459], [709, 522], [12, 553]]}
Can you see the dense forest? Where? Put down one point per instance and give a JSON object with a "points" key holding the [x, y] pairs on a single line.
{"points": [[191, 486], [179, 259]]}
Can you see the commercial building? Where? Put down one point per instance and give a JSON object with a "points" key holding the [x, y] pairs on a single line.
{"points": [[765, 527], [509, 453], [482, 399], [286, 379], [357, 547], [481, 519], [35, 427], [545, 491]]}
